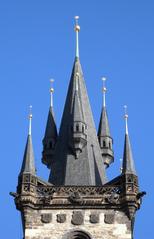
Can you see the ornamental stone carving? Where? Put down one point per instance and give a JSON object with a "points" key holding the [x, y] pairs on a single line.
{"points": [[77, 218], [61, 218], [109, 218], [94, 218], [46, 217], [112, 198], [75, 197]]}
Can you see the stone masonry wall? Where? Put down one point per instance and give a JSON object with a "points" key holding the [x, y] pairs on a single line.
{"points": [[57, 224]]}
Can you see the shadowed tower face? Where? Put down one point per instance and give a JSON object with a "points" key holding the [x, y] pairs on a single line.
{"points": [[77, 159]]}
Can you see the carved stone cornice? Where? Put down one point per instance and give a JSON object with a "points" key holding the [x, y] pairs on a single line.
{"points": [[121, 193]]}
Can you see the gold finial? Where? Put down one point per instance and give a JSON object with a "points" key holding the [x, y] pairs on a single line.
{"points": [[30, 112], [77, 27], [126, 114], [126, 118], [51, 92], [30, 120], [104, 87], [51, 88], [104, 91]]}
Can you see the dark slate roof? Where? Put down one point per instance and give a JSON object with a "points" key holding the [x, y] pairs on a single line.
{"points": [[77, 108], [128, 162], [103, 129], [28, 165], [88, 168], [51, 129]]}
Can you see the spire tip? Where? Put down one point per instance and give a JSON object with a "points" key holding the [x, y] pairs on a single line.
{"points": [[30, 112], [77, 29], [104, 91], [51, 92], [30, 120], [76, 17], [104, 87], [51, 88], [126, 118], [126, 114]]}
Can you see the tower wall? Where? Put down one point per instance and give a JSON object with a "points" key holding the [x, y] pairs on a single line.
{"points": [[59, 224]]}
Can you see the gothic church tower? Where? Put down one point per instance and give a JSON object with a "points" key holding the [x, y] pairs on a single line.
{"points": [[78, 201]]}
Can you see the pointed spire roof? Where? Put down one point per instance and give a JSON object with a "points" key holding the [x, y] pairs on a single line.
{"points": [[103, 129], [128, 162], [77, 111], [28, 165], [51, 129], [87, 169]]}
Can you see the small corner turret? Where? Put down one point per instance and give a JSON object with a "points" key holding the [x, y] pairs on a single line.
{"points": [[104, 137], [28, 164], [50, 137], [128, 162], [27, 173], [129, 177]]}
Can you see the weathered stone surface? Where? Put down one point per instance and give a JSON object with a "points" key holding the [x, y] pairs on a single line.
{"points": [[101, 230], [94, 218], [46, 217], [77, 218], [61, 218], [109, 218]]}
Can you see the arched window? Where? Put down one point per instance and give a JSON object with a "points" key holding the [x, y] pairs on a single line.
{"points": [[78, 235], [109, 145], [82, 129]]}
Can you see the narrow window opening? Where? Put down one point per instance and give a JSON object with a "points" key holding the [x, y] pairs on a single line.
{"points": [[77, 127], [104, 143], [50, 145]]}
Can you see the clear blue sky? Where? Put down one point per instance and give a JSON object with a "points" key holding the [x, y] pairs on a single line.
{"points": [[37, 42]]}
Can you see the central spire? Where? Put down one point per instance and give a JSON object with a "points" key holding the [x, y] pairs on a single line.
{"points": [[77, 159], [77, 29]]}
